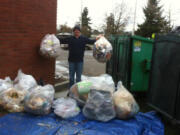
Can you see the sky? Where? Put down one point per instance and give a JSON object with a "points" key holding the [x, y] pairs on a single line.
{"points": [[68, 11]]}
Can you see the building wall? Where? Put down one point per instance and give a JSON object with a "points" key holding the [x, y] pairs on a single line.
{"points": [[23, 23]]}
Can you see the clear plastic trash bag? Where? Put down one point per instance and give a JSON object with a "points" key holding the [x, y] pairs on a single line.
{"points": [[24, 81], [99, 106], [102, 50], [12, 99], [65, 107], [103, 82], [39, 100], [50, 46], [125, 104]]}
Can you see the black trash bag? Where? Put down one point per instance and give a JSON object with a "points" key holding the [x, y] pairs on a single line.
{"points": [[99, 106]]}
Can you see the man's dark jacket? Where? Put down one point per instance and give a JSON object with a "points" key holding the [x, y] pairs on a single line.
{"points": [[76, 47]]}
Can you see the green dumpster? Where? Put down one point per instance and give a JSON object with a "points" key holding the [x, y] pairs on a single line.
{"points": [[130, 61]]}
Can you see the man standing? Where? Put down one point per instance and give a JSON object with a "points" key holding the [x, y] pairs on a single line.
{"points": [[76, 46]]}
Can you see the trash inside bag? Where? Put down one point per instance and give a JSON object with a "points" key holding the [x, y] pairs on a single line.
{"points": [[39, 99], [12, 99], [5, 84], [50, 46], [79, 92], [125, 104], [24, 81], [103, 82], [102, 50], [65, 107], [99, 106]]}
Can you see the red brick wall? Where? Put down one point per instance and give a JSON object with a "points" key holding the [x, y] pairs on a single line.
{"points": [[23, 23]]}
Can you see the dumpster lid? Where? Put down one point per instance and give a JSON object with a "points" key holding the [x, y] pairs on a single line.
{"points": [[142, 38]]}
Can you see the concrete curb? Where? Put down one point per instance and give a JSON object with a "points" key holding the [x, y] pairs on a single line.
{"points": [[61, 86]]}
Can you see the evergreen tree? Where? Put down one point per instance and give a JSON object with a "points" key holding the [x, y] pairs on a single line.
{"points": [[154, 21], [110, 25], [85, 23]]}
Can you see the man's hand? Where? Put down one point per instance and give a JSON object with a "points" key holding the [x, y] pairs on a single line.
{"points": [[99, 36]]}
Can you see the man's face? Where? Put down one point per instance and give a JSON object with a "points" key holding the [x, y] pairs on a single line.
{"points": [[77, 33]]}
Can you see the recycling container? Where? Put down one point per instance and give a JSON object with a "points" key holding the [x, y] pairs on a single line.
{"points": [[164, 83], [130, 61]]}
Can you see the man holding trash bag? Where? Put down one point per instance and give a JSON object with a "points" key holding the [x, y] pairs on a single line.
{"points": [[76, 47]]}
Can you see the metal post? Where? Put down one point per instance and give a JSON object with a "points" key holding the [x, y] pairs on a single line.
{"points": [[81, 13], [134, 23]]}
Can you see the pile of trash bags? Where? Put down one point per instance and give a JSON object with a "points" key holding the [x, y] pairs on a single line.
{"points": [[50, 46], [100, 101], [12, 93], [24, 94], [95, 95], [102, 50], [80, 90]]}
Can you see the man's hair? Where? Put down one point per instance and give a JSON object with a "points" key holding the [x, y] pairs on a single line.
{"points": [[76, 27]]}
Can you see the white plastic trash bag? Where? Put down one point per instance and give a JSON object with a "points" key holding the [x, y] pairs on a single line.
{"points": [[24, 81], [12, 99], [50, 46], [102, 50], [5, 84], [61, 70], [125, 104], [39, 99], [103, 82], [65, 107]]}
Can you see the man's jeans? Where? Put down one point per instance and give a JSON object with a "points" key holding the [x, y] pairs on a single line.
{"points": [[75, 67]]}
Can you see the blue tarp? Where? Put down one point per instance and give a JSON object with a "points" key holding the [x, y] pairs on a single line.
{"points": [[27, 124]]}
